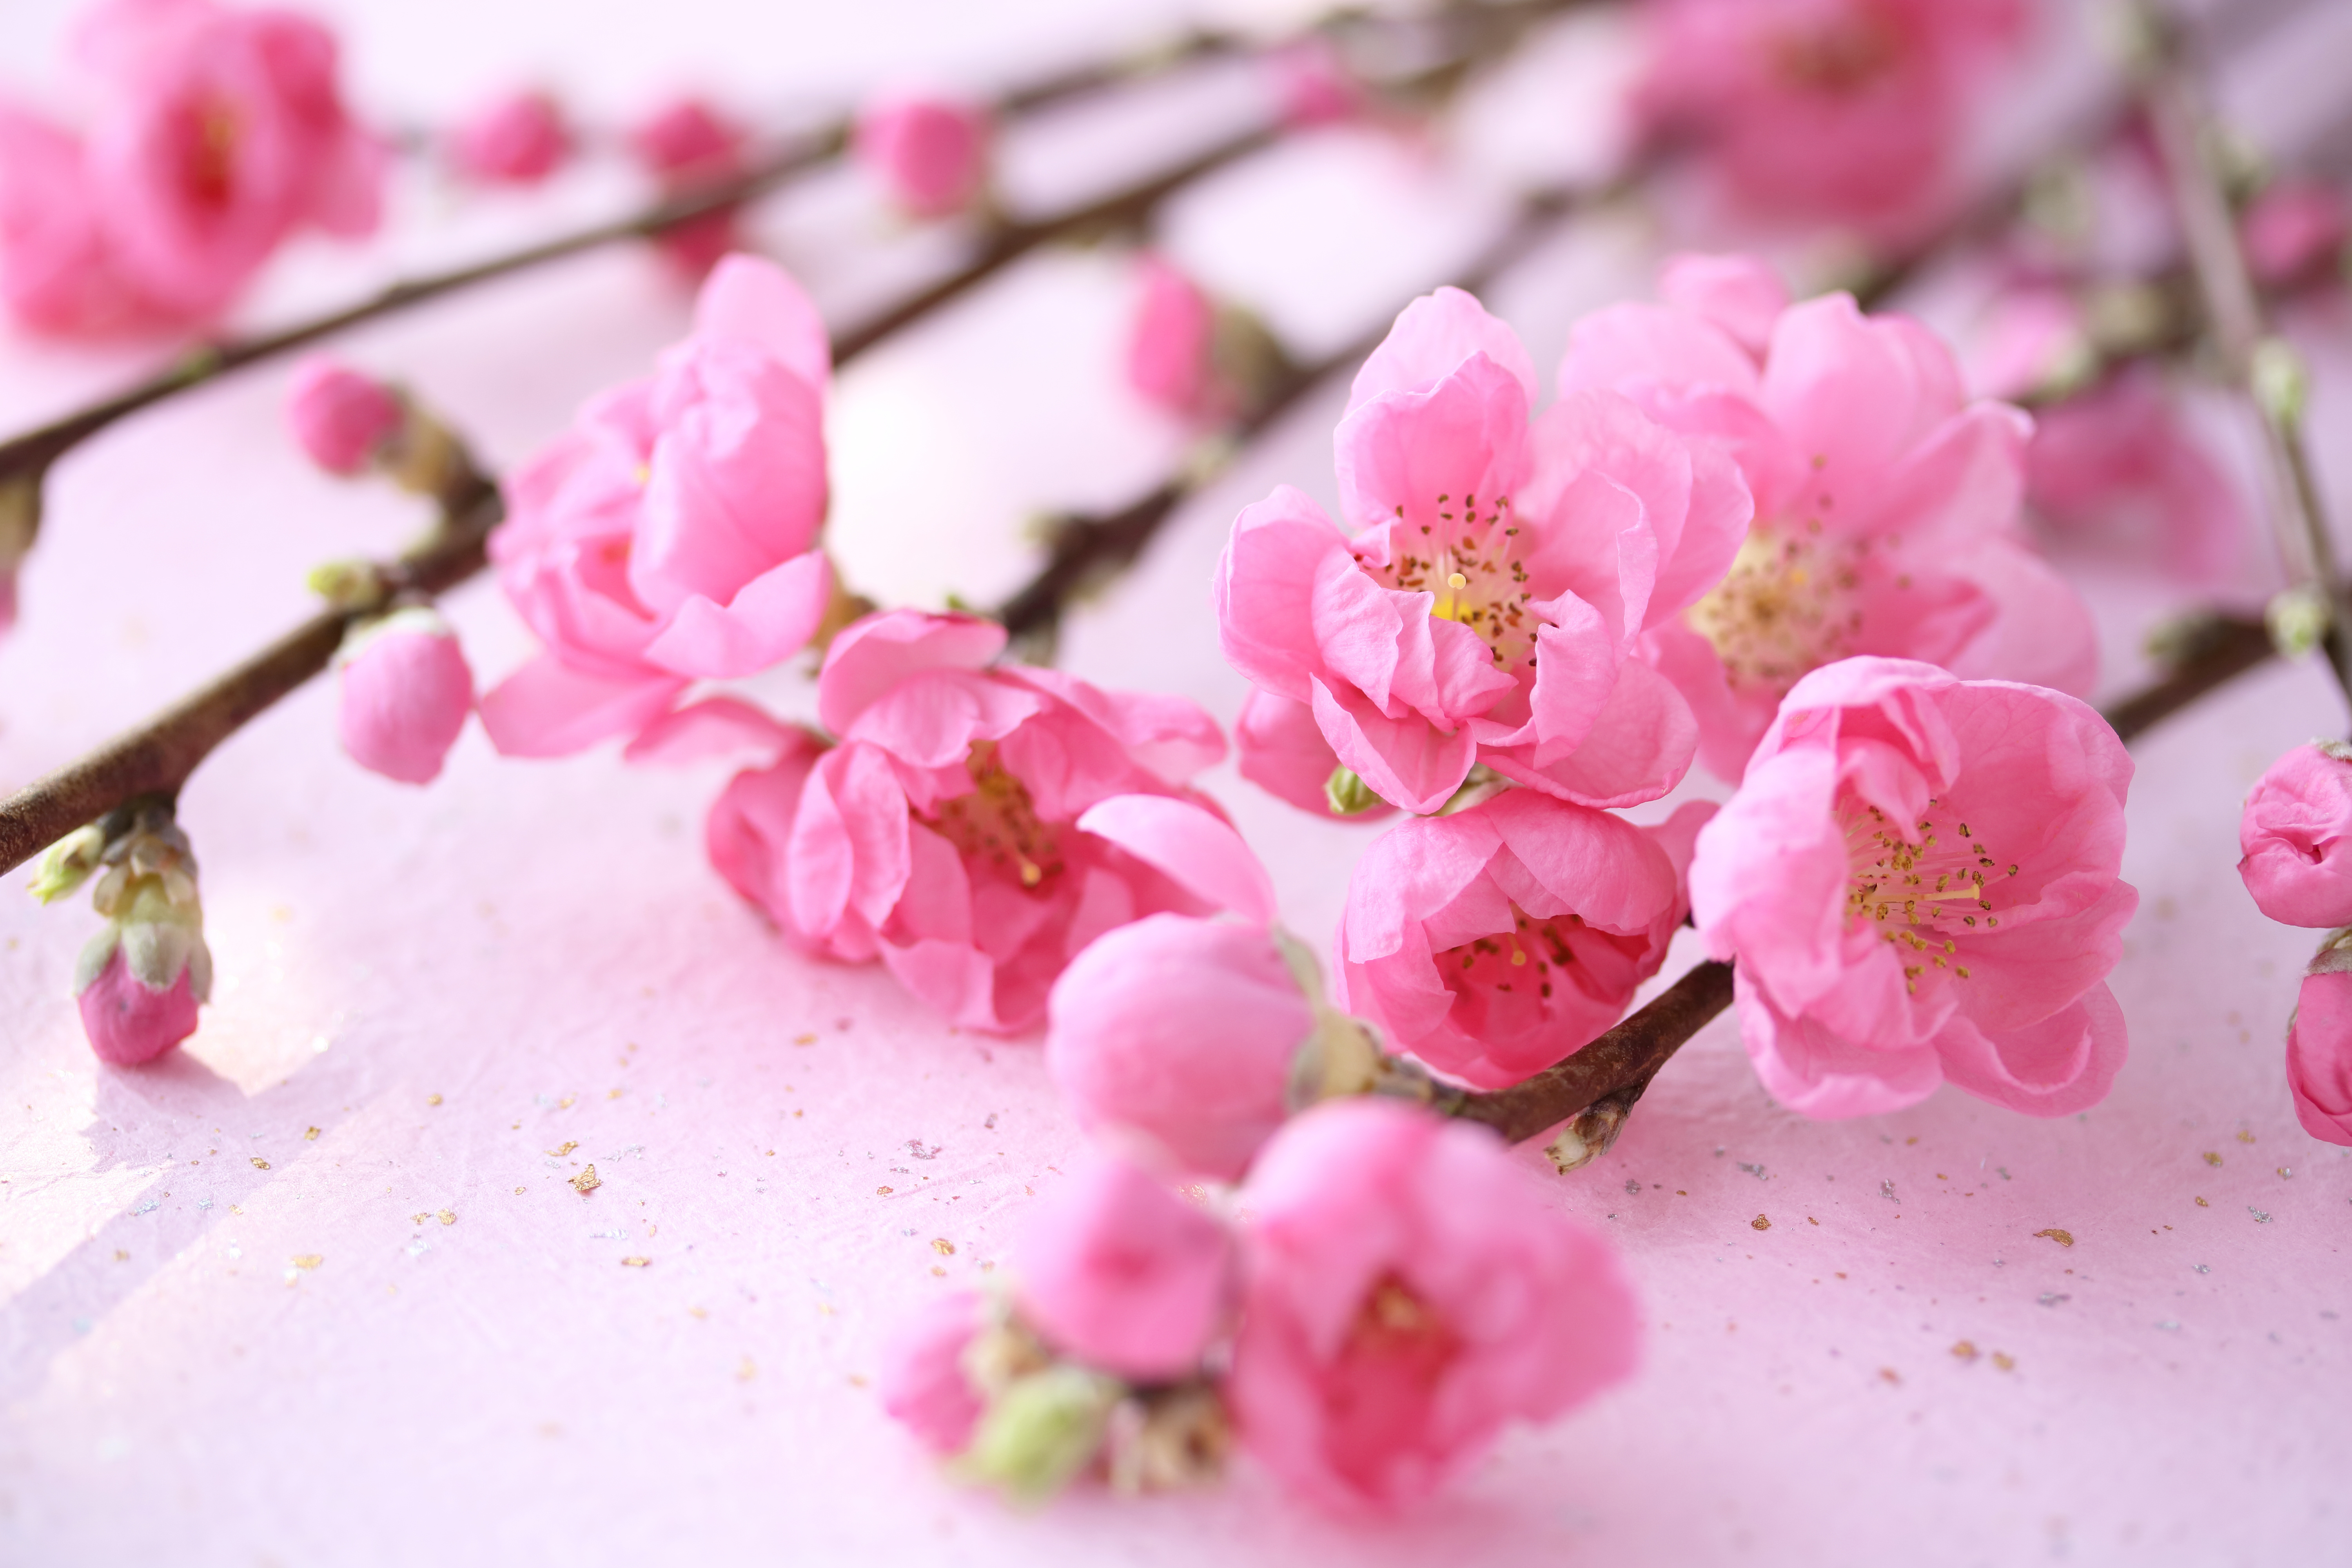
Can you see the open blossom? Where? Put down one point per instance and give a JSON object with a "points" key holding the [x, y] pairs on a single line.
{"points": [[1918, 881], [1408, 1293], [930, 152], [1490, 605], [341, 417], [685, 144], [2319, 1047], [1116, 1271], [942, 833], [406, 689], [1493, 941], [922, 1380], [1885, 503], [2295, 838], [218, 133], [1849, 109], [518, 139], [671, 535], [2119, 463]]}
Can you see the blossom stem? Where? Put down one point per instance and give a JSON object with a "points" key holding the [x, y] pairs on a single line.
{"points": [[2254, 361]]}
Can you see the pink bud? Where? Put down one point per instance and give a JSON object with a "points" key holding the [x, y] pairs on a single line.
{"points": [[1314, 85], [518, 140], [1168, 346], [931, 153], [683, 144], [406, 691], [341, 417], [2293, 228], [922, 1380], [2319, 1055], [1121, 1274], [1178, 1034], [2295, 834], [128, 1024]]}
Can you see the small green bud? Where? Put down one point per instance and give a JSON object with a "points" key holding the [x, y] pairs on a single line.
{"points": [[2281, 385], [2297, 618], [1042, 1432], [347, 584], [1347, 795], [67, 863]]}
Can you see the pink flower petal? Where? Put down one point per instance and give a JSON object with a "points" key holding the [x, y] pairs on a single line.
{"points": [[1203, 854], [548, 710]]}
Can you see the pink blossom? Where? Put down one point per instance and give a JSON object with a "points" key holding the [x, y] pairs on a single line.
{"points": [[687, 144], [2319, 1051], [1491, 604], [1495, 942], [1283, 751], [1178, 1037], [921, 1378], [671, 535], [1408, 1292], [1848, 110], [128, 1024], [341, 417], [517, 139], [222, 133], [2296, 838], [2032, 341], [1168, 343], [1120, 1274], [406, 689], [2294, 232], [943, 833], [1314, 84], [931, 153], [1885, 503], [1917, 879], [2120, 464], [58, 274]]}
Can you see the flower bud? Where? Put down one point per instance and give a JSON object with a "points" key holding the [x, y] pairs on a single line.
{"points": [[1042, 1432], [1170, 341], [1180, 1035], [342, 419], [2297, 618], [929, 153], [923, 1383], [141, 979], [685, 144], [67, 863], [2282, 386], [2319, 1045], [518, 140], [2295, 838], [406, 689], [1117, 1271], [1347, 795]]}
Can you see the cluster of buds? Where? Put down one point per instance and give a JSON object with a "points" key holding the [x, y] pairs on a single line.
{"points": [[141, 979], [2297, 839]]}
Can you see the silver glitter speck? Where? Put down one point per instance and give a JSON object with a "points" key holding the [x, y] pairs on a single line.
{"points": [[2259, 1216]]}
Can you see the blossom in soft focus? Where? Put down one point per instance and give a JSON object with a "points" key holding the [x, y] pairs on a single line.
{"points": [[406, 689], [941, 834], [2295, 838], [141, 979], [672, 534], [1179, 1038], [1491, 604], [1887, 504], [1495, 941], [1116, 1271], [2033, 342], [922, 1380], [1283, 751], [2120, 464], [2319, 1047], [687, 144], [2294, 232], [218, 134], [517, 139], [1312, 84], [1171, 341], [1408, 1293], [341, 417], [930, 152], [1917, 881], [1844, 109]]}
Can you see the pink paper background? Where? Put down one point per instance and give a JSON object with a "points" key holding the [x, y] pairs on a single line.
{"points": [[447, 984]]}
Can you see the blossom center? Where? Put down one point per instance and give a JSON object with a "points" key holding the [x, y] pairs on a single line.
{"points": [[1789, 604], [212, 154], [1464, 559], [1921, 888], [1520, 963], [1839, 56], [998, 823]]}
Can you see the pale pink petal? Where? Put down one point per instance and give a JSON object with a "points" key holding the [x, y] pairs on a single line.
{"points": [[1416, 457], [1637, 748], [2063, 1064], [873, 654], [548, 710], [753, 300], [1431, 339], [1737, 293], [771, 618], [715, 727], [1813, 1072], [1268, 579], [851, 846], [1203, 854], [1628, 346], [1282, 752], [1406, 762]]}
